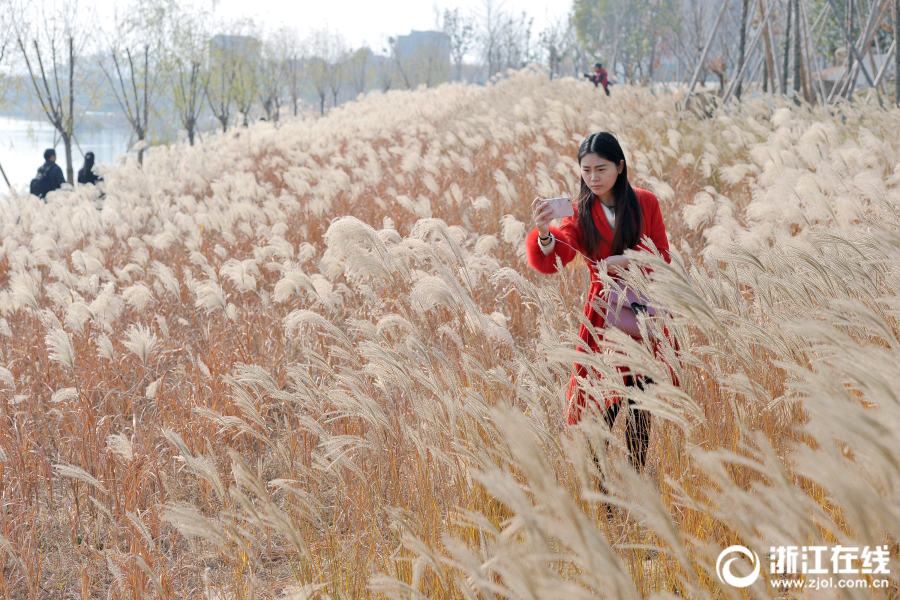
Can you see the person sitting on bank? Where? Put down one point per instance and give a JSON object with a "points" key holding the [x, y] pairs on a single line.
{"points": [[49, 176], [86, 174]]}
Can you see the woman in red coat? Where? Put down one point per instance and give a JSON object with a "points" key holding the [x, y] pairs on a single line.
{"points": [[610, 217]]}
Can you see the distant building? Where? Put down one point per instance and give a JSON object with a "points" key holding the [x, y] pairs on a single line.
{"points": [[417, 43], [242, 44]]}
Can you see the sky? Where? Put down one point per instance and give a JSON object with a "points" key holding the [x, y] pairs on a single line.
{"points": [[367, 21]]}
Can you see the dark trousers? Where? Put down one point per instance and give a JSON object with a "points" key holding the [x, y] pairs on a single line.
{"points": [[637, 428]]}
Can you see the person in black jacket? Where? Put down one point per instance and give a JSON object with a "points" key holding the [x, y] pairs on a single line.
{"points": [[86, 174], [49, 176]]}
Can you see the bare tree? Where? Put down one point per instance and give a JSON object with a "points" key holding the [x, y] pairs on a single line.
{"points": [[358, 67], [517, 44], [52, 40], [385, 71], [769, 67], [798, 62], [895, 13], [247, 80], [336, 68], [134, 64], [849, 27], [321, 46], [400, 67], [490, 23], [272, 74], [422, 57], [787, 49], [7, 41], [558, 43], [295, 67], [6, 44], [189, 58], [232, 81], [742, 44], [461, 30]]}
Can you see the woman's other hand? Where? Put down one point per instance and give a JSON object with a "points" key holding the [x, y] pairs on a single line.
{"points": [[616, 264], [541, 213]]}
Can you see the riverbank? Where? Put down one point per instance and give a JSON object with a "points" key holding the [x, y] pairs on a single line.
{"points": [[23, 141]]}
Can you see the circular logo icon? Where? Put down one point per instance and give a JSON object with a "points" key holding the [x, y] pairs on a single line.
{"points": [[724, 570]]}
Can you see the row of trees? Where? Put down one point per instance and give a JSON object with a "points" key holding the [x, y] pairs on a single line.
{"points": [[162, 58], [159, 61], [786, 46]]}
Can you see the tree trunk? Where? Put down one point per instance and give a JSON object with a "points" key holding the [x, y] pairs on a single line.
{"points": [[896, 15], [798, 61], [742, 45], [850, 49], [67, 143], [67, 136], [787, 49], [769, 68], [6, 179], [143, 132]]}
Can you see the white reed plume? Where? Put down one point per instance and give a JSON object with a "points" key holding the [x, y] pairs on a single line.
{"points": [[119, 444], [141, 341], [59, 343], [430, 291], [485, 244], [362, 250], [210, 296], [6, 377], [242, 273], [64, 395], [104, 347], [107, 306], [24, 288], [293, 281], [513, 230], [138, 296], [80, 474], [166, 278]]}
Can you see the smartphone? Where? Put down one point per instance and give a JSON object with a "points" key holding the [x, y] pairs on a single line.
{"points": [[562, 207]]}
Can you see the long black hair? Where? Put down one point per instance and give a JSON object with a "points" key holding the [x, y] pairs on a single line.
{"points": [[628, 212]]}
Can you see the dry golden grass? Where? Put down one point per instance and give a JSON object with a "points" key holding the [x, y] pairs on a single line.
{"points": [[217, 387]]}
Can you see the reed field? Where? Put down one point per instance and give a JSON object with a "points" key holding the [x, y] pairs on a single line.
{"points": [[311, 361]]}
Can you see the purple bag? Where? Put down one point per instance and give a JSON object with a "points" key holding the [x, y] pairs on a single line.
{"points": [[626, 317]]}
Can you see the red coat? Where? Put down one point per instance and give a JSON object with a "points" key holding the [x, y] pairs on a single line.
{"points": [[569, 232]]}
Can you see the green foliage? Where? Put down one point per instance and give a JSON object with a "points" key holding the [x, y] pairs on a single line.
{"points": [[630, 32]]}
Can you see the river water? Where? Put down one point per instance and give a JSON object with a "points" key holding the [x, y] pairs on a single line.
{"points": [[23, 141]]}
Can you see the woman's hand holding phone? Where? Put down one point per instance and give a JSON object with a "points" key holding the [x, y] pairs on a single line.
{"points": [[542, 216], [549, 209]]}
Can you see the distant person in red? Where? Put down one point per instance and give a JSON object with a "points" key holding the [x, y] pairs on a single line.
{"points": [[599, 77]]}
